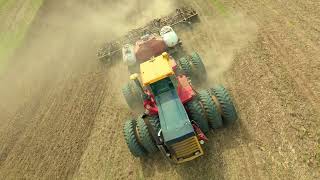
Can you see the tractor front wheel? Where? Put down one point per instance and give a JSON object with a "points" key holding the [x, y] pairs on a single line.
{"points": [[198, 68], [193, 67], [132, 95]]}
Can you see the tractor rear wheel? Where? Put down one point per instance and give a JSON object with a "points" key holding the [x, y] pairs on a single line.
{"points": [[132, 95], [213, 116], [130, 135], [197, 113], [229, 113], [145, 137]]}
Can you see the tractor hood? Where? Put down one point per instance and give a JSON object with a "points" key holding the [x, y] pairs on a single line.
{"points": [[175, 123]]}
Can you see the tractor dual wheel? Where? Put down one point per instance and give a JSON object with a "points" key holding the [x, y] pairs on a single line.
{"points": [[185, 67], [228, 111], [193, 67], [198, 67], [132, 95], [145, 137], [130, 135], [212, 114], [197, 113]]}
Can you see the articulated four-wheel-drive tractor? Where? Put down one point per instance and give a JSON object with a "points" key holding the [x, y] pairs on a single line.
{"points": [[176, 117]]}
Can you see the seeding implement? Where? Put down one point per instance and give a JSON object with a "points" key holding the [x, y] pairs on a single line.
{"points": [[151, 40]]}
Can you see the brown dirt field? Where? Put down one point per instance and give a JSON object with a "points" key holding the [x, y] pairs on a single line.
{"points": [[62, 112]]}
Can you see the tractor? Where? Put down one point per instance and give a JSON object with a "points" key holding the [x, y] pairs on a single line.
{"points": [[176, 117]]}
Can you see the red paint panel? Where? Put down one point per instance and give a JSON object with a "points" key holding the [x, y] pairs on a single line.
{"points": [[145, 49], [185, 91]]}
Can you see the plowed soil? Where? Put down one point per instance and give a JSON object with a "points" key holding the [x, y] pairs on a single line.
{"points": [[62, 111]]}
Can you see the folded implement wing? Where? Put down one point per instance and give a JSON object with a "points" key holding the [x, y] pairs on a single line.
{"points": [[113, 48]]}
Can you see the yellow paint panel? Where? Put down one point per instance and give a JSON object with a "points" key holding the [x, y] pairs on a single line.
{"points": [[185, 150], [155, 69]]}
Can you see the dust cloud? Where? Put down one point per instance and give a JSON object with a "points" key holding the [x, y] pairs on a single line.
{"points": [[61, 46], [227, 35]]}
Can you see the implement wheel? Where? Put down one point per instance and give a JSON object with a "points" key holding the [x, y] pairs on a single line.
{"points": [[130, 135], [197, 113], [229, 113], [145, 137], [132, 95], [213, 115]]}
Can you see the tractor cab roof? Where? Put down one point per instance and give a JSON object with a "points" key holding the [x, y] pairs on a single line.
{"points": [[156, 69]]}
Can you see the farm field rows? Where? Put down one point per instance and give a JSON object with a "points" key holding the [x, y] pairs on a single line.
{"points": [[62, 111]]}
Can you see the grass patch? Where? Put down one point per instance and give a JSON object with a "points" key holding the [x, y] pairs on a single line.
{"points": [[219, 6], [14, 26]]}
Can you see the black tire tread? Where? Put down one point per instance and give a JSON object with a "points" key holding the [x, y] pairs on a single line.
{"points": [[145, 137], [132, 95], [199, 69], [185, 67], [197, 114], [229, 114], [130, 137], [213, 116]]}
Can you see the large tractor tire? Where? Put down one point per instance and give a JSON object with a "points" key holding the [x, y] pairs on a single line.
{"points": [[198, 68], [197, 113], [211, 110], [193, 67], [229, 113], [185, 67], [145, 137], [130, 135], [132, 95]]}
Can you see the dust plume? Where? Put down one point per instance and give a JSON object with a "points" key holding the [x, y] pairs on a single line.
{"points": [[55, 75], [61, 46], [230, 34], [224, 36]]}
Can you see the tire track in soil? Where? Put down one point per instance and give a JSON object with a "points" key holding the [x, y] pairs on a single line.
{"points": [[248, 159], [48, 140], [282, 72], [277, 124]]}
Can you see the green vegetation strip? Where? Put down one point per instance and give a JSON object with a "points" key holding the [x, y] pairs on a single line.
{"points": [[16, 17]]}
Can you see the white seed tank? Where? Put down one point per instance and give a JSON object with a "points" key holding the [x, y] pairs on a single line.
{"points": [[169, 36], [128, 55]]}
